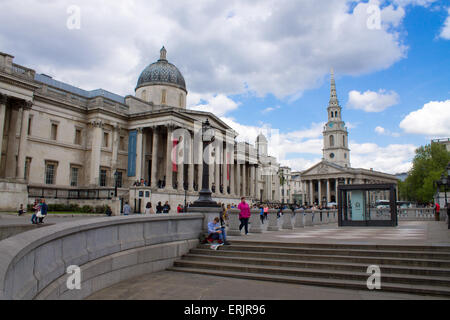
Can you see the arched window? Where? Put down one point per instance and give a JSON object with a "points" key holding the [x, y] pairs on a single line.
{"points": [[332, 114], [343, 141], [336, 114], [331, 141]]}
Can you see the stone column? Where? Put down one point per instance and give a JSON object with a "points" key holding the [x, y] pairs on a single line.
{"points": [[238, 180], [154, 178], [191, 166], [96, 151], [319, 195], [23, 142], [336, 181], [299, 219], [139, 153], [328, 191], [11, 164], [244, 180], [252, 181], [115, 149], [217, 161], [233, 215], [169, 164], [224, 172], [256, 192], [3, 100], [180, 165], [200, 166], [311, 193], [232, 180]]}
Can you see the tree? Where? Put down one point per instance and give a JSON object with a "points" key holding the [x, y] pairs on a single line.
{"points": [[429, 163]]}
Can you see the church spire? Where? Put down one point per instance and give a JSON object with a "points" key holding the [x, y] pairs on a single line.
{"points": [[334, 102]]}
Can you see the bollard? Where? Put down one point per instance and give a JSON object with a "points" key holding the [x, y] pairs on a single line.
{"points": [[299, 216], [309, 218], [233, 229], [325, 219], [287, 220], [255, 222], [316, 217], [273, 221]]}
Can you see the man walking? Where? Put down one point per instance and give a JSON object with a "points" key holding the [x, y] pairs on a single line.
{"points": [[44, 210]]}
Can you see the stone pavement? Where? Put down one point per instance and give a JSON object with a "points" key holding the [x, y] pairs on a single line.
{"points": [[174, 286], [13, 219], [408, 232], [186, 286]]}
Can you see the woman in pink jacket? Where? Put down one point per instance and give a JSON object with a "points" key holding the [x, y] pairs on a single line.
{"points": [[244, 215]]}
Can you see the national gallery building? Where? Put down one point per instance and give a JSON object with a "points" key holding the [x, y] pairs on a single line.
{"points": [[57, 137]]}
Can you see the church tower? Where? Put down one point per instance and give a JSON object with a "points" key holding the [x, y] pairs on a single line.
{"points": [[335, 133]]}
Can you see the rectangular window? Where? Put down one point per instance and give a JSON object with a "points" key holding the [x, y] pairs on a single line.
{"points": [[74, 176], [105, 140], [50, 173], [78, 137], [122, 144], [30, 122], [103, 175], [119, 179], [54, 132], [163, 96]]}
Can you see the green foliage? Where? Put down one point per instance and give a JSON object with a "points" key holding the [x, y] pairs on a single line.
{"points": [[428, 165]]}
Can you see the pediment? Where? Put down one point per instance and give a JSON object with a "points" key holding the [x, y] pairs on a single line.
{"points": [[323, 168]]}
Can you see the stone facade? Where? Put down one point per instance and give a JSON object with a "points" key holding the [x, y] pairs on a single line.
{"points": [[56, 135]]}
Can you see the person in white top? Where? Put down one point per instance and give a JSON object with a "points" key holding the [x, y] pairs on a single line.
{"points": [[149, 209]]}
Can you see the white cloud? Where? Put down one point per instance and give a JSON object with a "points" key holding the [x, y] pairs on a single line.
{"points": [[380, 130], [282, 47], [219, 104], [432, 120], [371, 101], [445, 32], [392, 159], [270, 109], [404, 3], [384, 132]]}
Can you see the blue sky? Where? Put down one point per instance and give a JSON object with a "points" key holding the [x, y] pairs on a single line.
{"points": [[262, 64]]}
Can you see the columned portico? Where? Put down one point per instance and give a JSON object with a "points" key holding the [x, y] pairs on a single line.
{"points": [[155, 146], [23, 141], [169, 163], [3, 100]]}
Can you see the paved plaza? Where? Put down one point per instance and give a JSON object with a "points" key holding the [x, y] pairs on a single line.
{"points": [[408, 232], [168, 285]]}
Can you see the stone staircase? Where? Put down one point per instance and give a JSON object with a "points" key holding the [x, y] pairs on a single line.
{"points": [[423, 270]]}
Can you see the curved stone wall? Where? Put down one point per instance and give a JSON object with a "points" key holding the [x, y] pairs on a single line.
{"points": [[108, 250]]}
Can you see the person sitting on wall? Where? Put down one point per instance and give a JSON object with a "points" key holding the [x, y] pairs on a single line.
{"points": [[22, 210], [108, 211], [159, 208], [217, 232]]}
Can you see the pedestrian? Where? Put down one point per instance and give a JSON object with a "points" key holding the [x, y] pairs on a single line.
{"points": [[43, 208], [437, 211], [159, 208], [179, 209], [126, 209], [261, 214], [35, 211], [149, 209], [21, 210], [266, 212], [108, 211], [244, 215], [166, 208]]}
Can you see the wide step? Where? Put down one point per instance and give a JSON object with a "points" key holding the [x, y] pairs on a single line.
{"points": [[421, 270]]}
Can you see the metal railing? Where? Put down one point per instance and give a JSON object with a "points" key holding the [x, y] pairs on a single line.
{"points": [[70, 194]]}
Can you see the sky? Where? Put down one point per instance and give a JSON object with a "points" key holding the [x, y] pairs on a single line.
{"points": [[262, 66]]}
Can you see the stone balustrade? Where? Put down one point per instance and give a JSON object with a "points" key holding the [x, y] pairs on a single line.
{"points": [[108, 251], [299, 219], [255, 222], [287, 220], [273, 221]]}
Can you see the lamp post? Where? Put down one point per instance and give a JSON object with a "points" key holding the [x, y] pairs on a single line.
{"points": [[205, 199], [446, 204]]}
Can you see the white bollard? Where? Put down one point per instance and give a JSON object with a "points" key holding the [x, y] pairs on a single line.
{"points": [[255, 222], [299, 216], [309, 218], [287, 220]]}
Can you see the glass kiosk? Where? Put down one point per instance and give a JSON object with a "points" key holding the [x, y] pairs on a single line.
{"points": [[359, 205]]}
